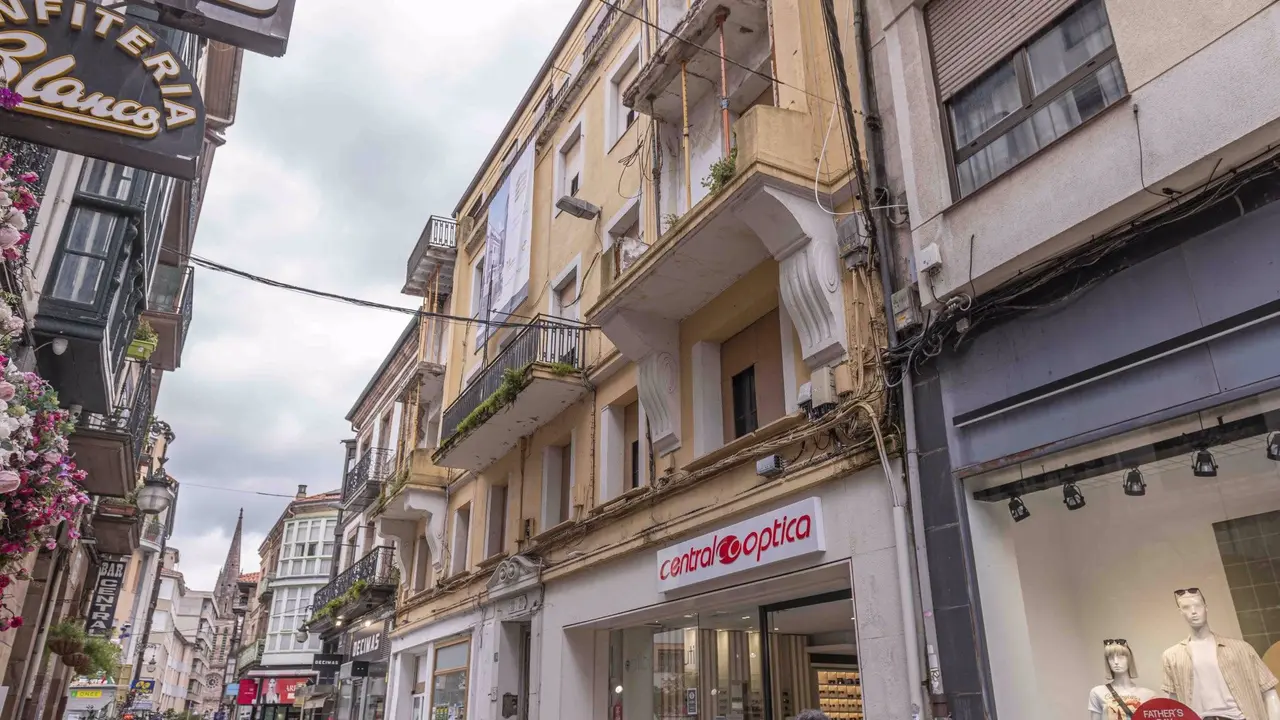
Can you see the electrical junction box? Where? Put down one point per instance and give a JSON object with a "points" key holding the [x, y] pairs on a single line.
{"points": [[770, 466], [822, 390], [929, 259], [906, 309]]}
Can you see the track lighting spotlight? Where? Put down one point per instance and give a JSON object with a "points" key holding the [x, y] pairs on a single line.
{"points": [[1071, 496], [1203, 465], [1134, 485], [1273, 446], [1018, 509]]}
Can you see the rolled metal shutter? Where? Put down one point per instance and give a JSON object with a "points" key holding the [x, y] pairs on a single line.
{"points": [[968, 37]]}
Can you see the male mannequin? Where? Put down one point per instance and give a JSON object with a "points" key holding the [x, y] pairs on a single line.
{"points": [[1219, 678]]}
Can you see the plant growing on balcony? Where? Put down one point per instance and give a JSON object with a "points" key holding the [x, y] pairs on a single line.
{"points": [[16, 200], [145, 341], [40, 486], [66, 637], [513, 381], [721, 172], [351, 595]]}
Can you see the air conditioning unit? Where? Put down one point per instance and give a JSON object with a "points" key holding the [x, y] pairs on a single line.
{"points": [[577, 207]]}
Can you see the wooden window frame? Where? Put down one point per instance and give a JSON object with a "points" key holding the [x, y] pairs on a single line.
{"points": [[437, 672], [1031, 102]]}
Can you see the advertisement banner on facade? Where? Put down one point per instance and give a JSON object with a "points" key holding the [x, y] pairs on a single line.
{"points": [[261, 26], [508, 239], [106, 593], [248, 691], [783, 534], [144, 687], [93, 81], [279, 691]]}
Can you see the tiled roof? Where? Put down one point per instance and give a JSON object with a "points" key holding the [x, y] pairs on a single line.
{"points": [[250, 577]]}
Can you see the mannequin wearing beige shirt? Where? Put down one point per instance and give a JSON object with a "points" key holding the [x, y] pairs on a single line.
{"points": [[1217, 677]]}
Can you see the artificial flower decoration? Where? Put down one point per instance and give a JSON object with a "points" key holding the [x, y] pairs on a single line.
{"points": [[17, 201], [40, 486]]}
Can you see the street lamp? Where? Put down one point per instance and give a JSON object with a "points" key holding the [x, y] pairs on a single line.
{"points": [[155, 496]]}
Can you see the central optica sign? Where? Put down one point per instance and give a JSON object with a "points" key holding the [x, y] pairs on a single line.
{"points": [[97, 82], [783, 534]]}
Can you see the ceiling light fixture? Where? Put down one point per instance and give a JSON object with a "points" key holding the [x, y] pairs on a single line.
{"points": [[1018, 509], [1273, 446], [1203, 465], [1071, 496], [1134, 485]]}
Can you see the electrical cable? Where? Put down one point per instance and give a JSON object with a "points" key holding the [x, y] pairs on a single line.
{"points": [[228, 489]]}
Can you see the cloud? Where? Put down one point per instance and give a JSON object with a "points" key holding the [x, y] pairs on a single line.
{"points": [[340, 152]]}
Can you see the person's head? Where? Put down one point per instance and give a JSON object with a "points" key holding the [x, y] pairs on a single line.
{"points": [[1119, 658], [811, 715], [1194, 609]]}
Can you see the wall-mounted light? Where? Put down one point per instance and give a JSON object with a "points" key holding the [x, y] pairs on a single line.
{"points": [[1273, 446], [1134, 485], [1072, 497], [1203, 465], [1018, 509]]}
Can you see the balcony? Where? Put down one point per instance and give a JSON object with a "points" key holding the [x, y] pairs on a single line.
{"points": [[535, 377], [116, 527], [153, 535], [369, 582], [250, 656], [364, 480], [109, 447], [432, 260], [169, 311]]}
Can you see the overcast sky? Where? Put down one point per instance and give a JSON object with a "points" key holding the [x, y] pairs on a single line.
{"points": [[376, 118]]}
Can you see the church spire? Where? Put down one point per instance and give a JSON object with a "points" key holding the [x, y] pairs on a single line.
{"points": [[225, 593]]}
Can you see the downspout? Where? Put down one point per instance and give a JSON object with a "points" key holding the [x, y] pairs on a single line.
{"points": [[684, 115], [721, 15]]}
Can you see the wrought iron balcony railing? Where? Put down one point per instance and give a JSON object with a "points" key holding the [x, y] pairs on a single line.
{"points": [[547, 339], [377, 569], [250, 654], [129, 418], [364, 479]]}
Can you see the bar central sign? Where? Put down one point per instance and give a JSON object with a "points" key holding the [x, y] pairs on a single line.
{"points": [[106, 593], [96, 82]]}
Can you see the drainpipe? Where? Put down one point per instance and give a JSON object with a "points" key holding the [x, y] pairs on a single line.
{"points": [[721, 14], [684, 114]]}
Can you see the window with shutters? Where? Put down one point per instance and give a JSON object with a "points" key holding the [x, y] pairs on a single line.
{"points": [[1002, 114]]}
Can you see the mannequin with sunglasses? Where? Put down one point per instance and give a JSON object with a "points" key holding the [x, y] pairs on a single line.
{"points": [[1220, 678], [1121, 696]]}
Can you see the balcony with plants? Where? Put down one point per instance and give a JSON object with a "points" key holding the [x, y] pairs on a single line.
{"points": [[109, 446], [168, 314], [535, 377], [367, 584], [117, 526], [153, 534]]}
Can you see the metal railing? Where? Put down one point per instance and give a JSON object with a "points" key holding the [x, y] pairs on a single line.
{"points": [[545, 340], [365, 477], [188, 300], [30, 157], [131, 416], [439, 234], [376, 569]]}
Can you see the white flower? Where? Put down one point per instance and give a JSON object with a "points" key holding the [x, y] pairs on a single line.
{"points": [[6, 312], [9, 236], [8, 426], [13, 324], [18, 219], [5, 200]]}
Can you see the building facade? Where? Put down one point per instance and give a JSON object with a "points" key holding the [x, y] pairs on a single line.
{"points": [[1089, 222]]}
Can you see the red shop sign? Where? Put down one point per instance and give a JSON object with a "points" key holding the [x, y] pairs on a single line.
{"points": [[280, 691], [248, 692], [1164, 709]]}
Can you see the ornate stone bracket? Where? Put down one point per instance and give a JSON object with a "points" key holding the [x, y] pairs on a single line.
{"points": [[427, 504], [653, 343], [803, 240]]}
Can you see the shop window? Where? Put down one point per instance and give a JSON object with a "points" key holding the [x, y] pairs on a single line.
{"points": [[496, 531], [1063, 78], [449, 681]]}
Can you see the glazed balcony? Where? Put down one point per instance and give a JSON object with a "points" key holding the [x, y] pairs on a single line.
{"points": [[364, 481], [432, 260], [109, 446], [535, 377], [169, 310], [153, 535], [369, 582]]}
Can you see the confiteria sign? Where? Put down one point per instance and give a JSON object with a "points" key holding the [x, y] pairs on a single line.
{"points": [[782, 534], [100, 83]]}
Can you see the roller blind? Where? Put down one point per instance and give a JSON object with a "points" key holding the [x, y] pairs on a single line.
{"points": [[968, 37]]}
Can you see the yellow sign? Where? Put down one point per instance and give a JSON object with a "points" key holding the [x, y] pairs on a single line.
{"points": [[86, 693]]}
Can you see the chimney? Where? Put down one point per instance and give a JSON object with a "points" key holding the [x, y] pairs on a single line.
{"points": [[302, 491]]}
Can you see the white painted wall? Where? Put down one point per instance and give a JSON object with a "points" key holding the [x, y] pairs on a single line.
{"points": [[1055, 585]]}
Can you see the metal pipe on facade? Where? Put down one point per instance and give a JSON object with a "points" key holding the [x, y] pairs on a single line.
{"points": [[724, 82], [684, 114], [53, 587]]}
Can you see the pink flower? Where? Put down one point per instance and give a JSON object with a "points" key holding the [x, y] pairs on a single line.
{"points": [[9, 236], [9, 481], [29, 177], [7, 390], [16, 621], [6, 161]]}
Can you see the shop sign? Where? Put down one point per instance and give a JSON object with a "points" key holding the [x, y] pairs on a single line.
{"points": [[261, 26], [86, 694], [106, 591], [326, 665], [783, 534], [1164, 709], [96, 82], [248, 692], [144, 687], [280, 691], [368, 644]]}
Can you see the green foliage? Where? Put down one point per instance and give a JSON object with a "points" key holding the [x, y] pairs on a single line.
{"points": [[67, 630], [561, 368], [145, 332], [105, 655], [669, 221], [351, 595], [513, 381], [721, 172]]}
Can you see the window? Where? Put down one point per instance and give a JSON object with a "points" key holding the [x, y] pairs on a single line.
{"points": [[573, 184], [290, 610], [421, 564], [478, 299], [557, 484], [107, 180], [496, 530], [569, 163], [631, 436], [564, 294], [1064, 77], [461, 539], [384, 428], [618, 117], [85, 254], [307, 548], [744, 402], [449, 681]]}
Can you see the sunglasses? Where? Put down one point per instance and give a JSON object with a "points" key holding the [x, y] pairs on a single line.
{"points": [[1186, 591], [1116, 641]]}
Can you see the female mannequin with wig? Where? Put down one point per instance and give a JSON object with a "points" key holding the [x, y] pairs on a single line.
{"points": [[1119, 698]]}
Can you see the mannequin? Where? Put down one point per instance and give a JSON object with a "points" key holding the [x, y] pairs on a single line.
{"points": [[1121, 671], [1219, 678]]}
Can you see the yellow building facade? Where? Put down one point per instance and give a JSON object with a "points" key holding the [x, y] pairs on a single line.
{"points": [[658, 482]]}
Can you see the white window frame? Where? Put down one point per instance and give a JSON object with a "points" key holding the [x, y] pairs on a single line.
{"points": [[614, 110], [576, 132], [477, 301], [553, 467], [460, 552], [570, 273]]}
